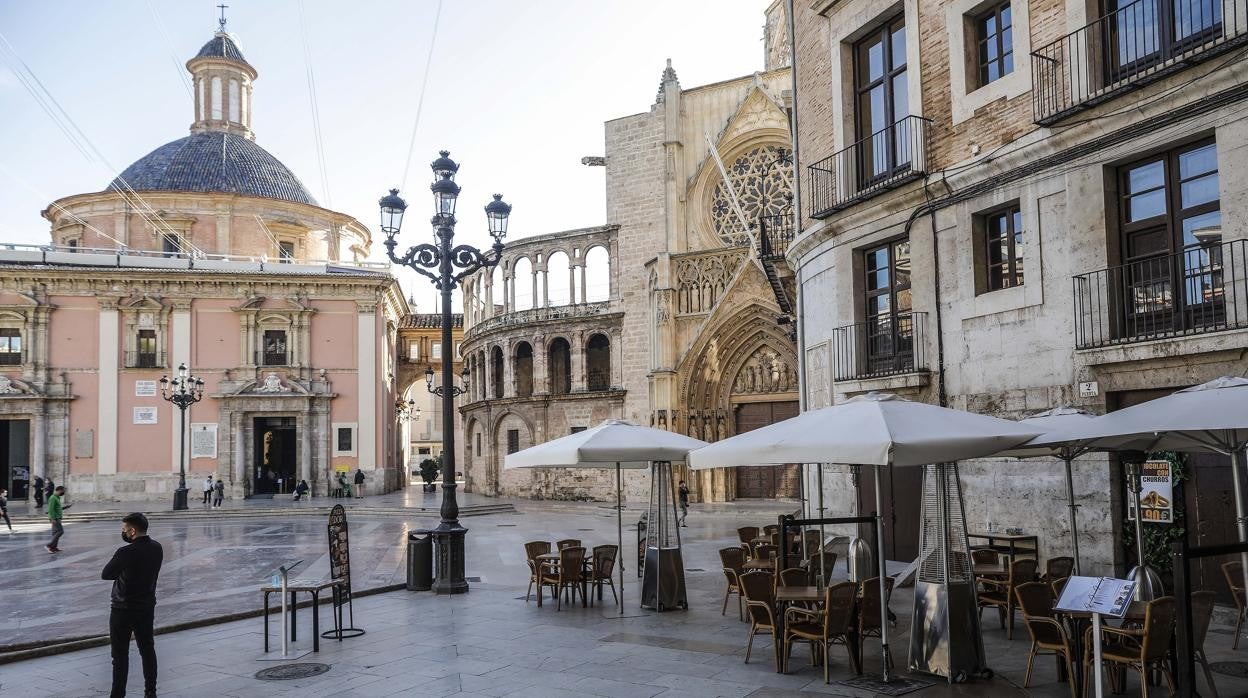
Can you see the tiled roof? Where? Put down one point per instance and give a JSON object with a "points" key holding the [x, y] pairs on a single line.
{"points": [[214, 162], [222, 46], [431, 321]]}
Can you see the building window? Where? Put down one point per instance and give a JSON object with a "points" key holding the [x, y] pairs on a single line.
{"points": [[413, 351], [274, 352], [72, 244], [889, 330], [1004, 246], [1170, 224], [344, 439], [147, 356], [559, 367], [10, 346], [598, 363], [216, 98], [882, 99], [285, 251], [513, 440], [234, 104], [171, 244], [478, 444], [994, 32], [1143, 33], [436, 351]]}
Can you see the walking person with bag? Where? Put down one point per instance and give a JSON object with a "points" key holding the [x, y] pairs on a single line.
{"points": [[133, 570], [219, 489], [56, 511], [4, 508]]}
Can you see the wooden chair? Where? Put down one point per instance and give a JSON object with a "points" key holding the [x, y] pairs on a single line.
{"points": [[1233, 571], [747, 534], [1143, 649], [760, 605], [732, 559], [1000, 594], [869, 611], [1058, 568], [1048, 636], [1202, 614], [531, 550], [568, 577], [765, 551], [833, 625], [567, 543], [792, 577], [601, 569]]}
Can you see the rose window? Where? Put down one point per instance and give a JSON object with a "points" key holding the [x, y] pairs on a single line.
{"points": [[762, 188]]}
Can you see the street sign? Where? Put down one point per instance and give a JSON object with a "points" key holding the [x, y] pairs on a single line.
{"points": [[1089, 389]]}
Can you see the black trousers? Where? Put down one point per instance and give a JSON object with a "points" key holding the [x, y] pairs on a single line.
{"points": [[121, 624]]}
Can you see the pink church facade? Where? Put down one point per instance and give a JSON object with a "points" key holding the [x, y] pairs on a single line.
{"points": [[208, 252]]}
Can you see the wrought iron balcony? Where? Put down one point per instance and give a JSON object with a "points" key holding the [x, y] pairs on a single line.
{"points": [[1128, 48], [884, 160], [10, 358], [887, 346], [1200, 290], [145, 359], [272, 358], [597, 379], [774, 235]]}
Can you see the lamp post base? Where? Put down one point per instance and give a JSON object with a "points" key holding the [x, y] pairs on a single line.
{"points": [[179, 499], [449, 539]]}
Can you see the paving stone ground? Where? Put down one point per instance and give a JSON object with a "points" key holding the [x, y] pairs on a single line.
{"points": [[489, 642]]}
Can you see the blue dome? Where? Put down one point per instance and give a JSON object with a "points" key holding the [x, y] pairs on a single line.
{"points": [[222, 46], [215, 162]]}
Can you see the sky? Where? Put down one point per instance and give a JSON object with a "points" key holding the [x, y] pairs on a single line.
{"points": [[517, 90]]}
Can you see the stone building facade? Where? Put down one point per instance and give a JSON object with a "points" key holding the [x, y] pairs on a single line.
{"points": [[209, 252], [1003, 212], [420, 349], [693, 331]]}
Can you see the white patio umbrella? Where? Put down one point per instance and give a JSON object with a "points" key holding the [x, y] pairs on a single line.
{"points": [[874, 429], [613, 444], [1211, 417]]}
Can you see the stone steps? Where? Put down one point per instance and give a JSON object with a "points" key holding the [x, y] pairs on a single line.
{"points": [[268, 512]]}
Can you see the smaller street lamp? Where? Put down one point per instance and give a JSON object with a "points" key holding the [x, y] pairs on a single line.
{"points": [[406, 410], [183, 391], [456, 391]]}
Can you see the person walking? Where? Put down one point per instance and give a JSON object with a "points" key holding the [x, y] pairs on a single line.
{"points": [[133, 570], [56, 510], [38, 492], [301, 490], [359, 484], [219, 489], [48, 488], [207, 490], [683, 493], [4, 508]]}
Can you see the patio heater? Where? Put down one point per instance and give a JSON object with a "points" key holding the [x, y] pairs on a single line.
{"points": [[859, 560], [663, 570], [945, 637]]}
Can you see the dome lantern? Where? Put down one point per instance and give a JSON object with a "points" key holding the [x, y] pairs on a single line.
{"points": [[222, 81]]}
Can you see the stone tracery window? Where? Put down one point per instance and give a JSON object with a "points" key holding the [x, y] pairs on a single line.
{"points": [[762, 189]]}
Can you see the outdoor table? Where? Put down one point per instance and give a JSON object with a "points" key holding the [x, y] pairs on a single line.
{"points": [[1008, 545], [313, 588], [552, 560], [783, 597], [758, 564]]}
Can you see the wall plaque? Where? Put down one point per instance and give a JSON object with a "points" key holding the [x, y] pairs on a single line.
{"points": [[84, 443], [145, 388], [145, 415], [204, 440]]}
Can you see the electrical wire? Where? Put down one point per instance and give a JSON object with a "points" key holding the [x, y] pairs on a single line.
{"points": [[420, 100], [316, 112], [173, 56]]}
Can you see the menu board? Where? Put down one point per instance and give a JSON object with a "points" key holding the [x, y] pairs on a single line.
{"points": [[340, 551], [1104, 595]]}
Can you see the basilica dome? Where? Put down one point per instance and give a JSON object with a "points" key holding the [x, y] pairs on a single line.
{"points": [[214, 162]]}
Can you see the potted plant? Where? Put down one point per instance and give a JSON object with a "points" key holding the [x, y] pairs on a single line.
{"points": [[429, 469]]}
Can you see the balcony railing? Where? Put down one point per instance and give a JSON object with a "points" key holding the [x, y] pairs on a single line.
{"points": [[774, 235], [145, 359], [598, 379], [887, 346], [272, 358], [1200, 290], [884, 160], [557, 312], [1136, 44]]}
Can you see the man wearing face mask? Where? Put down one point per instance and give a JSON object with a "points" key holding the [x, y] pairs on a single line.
{"points": [[133, 569]]}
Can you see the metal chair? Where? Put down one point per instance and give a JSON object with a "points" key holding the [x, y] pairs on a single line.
{"points": [[760, 604], [531, 550], [999, 594], [601, 569], [1048, 636], [1234, 573], [732, 559], [833, 625]]}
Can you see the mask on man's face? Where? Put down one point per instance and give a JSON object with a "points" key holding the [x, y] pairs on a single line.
{"points": [[127, 537]]}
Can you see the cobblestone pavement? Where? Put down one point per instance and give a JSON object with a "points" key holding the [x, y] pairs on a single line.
{"points": [[489, 642]]}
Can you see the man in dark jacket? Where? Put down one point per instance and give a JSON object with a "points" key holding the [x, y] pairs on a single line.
{"points": [[359, 484], [134, 569]]}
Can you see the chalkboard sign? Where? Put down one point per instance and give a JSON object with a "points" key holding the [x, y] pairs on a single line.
{"points": [[340, 551]]}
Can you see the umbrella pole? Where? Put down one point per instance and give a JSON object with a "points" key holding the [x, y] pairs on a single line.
{"points": [[1074, 527], [619, 529], [823, 573], [1236, 462], [879, 532]]}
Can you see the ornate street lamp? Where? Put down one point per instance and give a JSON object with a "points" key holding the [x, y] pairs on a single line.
{"points": [[446, 265], [406, 410], [183, 391]]}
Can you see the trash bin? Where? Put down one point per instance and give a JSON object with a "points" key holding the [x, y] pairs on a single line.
{"points": [[419, 561]]}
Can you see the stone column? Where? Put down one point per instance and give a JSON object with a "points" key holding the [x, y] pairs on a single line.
{"points": [[107, 409], [39, 445], [366, 392], [571, 283], [545, 288], [509, 370], [577, 340], [304, 433], [541, 374]]}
